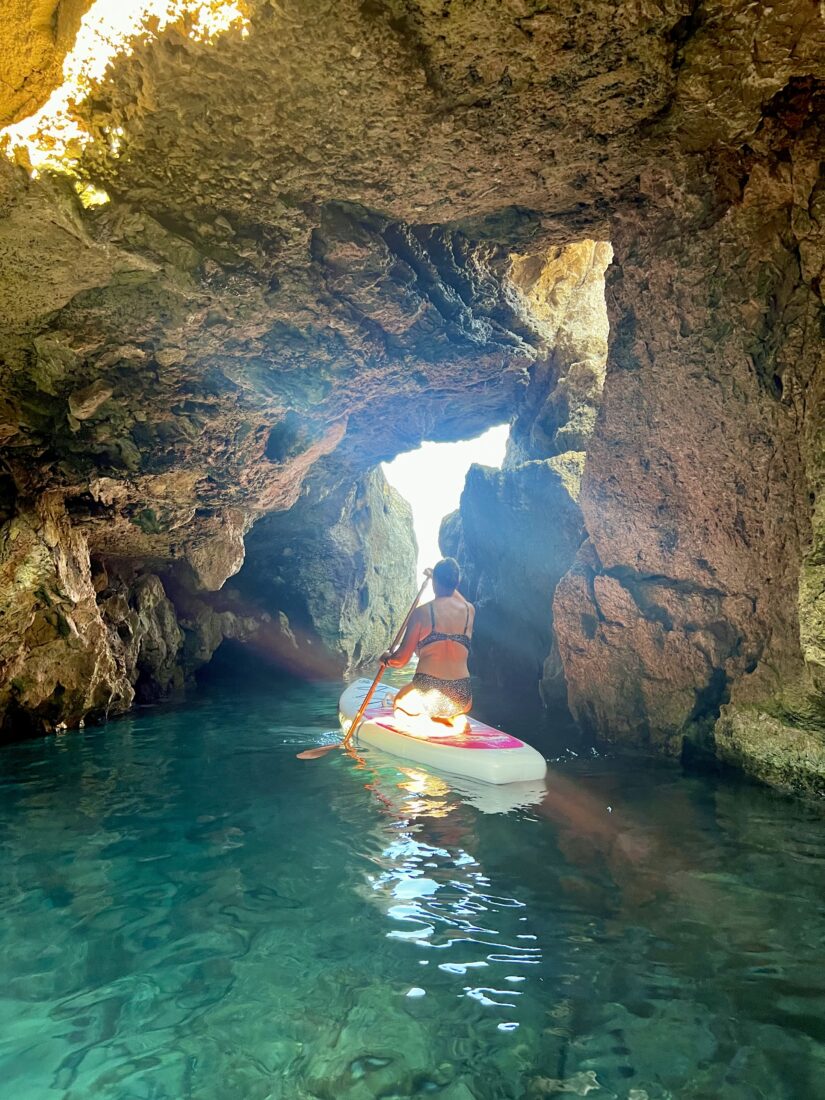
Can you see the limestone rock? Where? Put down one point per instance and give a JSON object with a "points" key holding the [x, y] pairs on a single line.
{"points": [[686, 493], [337, 576], [145, 636], [518, 529], [218, 556], [163, 631], [56, 666], [519, 533], [205, 629], [34, 41], [85, 403], [772, 751], [281, 288], [657, 656], [565, 292]]}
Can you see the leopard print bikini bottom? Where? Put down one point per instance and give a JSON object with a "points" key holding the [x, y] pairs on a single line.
{"points": [[443, 698]]}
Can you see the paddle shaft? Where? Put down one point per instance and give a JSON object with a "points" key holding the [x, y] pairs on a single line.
{"points": [[356, 722]]}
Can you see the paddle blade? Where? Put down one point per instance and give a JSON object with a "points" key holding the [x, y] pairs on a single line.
{"points": [[321, 750]]}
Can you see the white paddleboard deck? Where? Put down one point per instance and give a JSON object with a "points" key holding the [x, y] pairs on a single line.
{"points": [[482, 753]]}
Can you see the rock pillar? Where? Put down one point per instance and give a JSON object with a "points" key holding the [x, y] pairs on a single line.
{"points": [[680, 622]]}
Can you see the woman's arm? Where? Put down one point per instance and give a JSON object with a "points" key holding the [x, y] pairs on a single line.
{"points": [[403, 654]]}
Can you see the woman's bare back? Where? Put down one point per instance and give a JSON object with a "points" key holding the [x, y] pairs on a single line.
{"points": [[445, 658]]}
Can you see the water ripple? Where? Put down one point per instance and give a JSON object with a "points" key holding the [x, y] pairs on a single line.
{"points": [[188, 912]]}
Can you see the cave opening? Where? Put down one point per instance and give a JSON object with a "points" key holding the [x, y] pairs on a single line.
{"points": [[491, 477], [431, 478], [512, 521]]}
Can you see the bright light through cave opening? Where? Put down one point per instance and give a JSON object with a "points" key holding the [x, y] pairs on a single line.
{"points": [[432, 477]]}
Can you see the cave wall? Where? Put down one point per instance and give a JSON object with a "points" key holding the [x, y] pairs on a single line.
{"points": [[517, 529], [57, 664], [78, 643], [330, 582], [34, 43], [305, 260], [85, 638], [163, 460], [689, 620], [687, 614]]}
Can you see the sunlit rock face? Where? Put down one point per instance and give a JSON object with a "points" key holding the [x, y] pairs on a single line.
{"points": [[34, 43], [320, 246], [517, 529]]}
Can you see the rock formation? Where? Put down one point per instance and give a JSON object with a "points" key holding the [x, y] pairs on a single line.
{"points": [[274, 254], [689, 600], [331, 581], [57, 661], [36, 39], [518, 529]]}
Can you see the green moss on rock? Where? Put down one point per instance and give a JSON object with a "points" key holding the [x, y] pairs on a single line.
{"points": [[772, 751]]}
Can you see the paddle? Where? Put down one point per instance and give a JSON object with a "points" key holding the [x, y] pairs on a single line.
{"points": [[322, 750]]}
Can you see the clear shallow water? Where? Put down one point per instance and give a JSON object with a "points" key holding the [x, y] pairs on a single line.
{"points": [[186, 910]]}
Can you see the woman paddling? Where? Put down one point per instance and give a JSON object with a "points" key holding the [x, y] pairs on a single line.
{"points": [[440, 631]]}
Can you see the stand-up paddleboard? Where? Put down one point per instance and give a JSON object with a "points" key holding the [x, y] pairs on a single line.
{"points": [[482, 753]]}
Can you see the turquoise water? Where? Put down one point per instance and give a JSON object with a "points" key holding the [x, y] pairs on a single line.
{"points": [[186, 910]]}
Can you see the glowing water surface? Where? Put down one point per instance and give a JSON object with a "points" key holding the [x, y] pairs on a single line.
{"points": [[186, 910]]}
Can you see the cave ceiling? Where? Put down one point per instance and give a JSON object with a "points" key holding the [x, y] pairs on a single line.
{"points": [[304, 256]]}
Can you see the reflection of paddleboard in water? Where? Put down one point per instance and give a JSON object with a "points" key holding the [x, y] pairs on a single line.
{"points": [[414, 792], [483, 753]]}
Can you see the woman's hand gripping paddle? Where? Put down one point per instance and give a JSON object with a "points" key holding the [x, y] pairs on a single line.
{"points": [[322, 750]]}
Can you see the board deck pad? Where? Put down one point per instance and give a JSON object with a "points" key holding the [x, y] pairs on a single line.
{"points": [[480, 736]]}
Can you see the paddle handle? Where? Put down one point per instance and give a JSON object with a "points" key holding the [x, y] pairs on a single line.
{"points": [[356, 722], [413, 606]]}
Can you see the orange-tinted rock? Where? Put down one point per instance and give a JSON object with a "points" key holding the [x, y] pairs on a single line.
{"points": [[35, 39]]}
